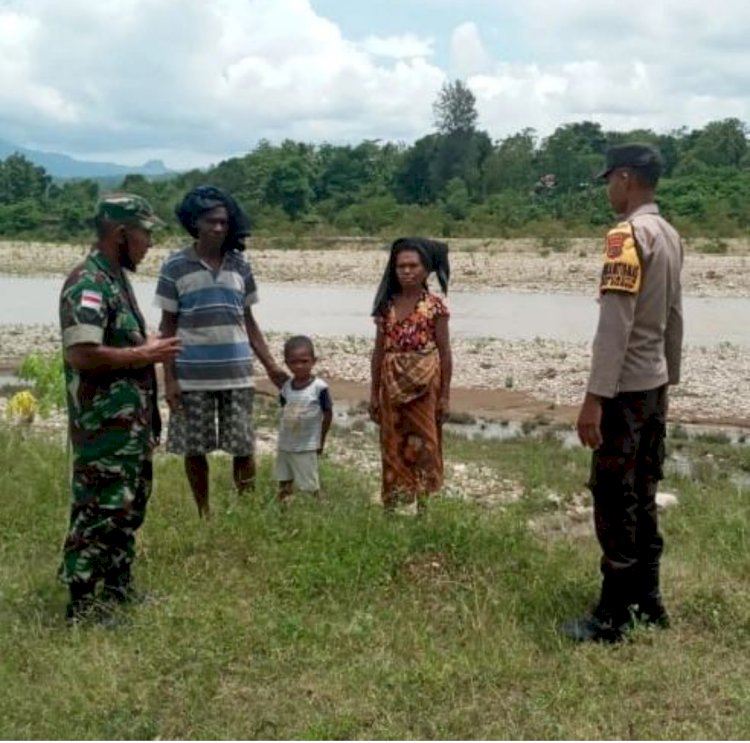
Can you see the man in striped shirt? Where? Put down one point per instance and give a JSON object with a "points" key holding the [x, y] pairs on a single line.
{"points": [[206, 292]]}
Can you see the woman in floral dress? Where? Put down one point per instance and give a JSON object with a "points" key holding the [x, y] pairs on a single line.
{"points": [[411, 370]]}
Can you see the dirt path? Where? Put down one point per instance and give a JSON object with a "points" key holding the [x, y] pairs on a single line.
{"points": [[501, 405]]}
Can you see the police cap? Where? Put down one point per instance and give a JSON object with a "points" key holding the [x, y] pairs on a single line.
{"points": [[638, 156]]}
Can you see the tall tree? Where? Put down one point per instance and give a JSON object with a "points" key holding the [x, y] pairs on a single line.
{"points": [[455, 108]]}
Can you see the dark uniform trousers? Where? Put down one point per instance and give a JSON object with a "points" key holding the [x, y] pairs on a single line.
{"points": [[625, 472]]}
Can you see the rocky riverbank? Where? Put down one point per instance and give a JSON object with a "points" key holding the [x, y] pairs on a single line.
{"points": [[504, 379], [508, 379]]}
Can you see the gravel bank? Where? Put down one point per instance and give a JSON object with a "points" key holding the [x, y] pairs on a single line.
{"points": [[714, 381], [714, 385]]}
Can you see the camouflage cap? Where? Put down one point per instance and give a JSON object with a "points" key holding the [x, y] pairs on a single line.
{"points": [[128, 208]]}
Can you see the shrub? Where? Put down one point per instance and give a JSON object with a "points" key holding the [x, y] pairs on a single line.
{"points": [[46, 374]]}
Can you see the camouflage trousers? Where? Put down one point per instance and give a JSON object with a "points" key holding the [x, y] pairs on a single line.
{"points": [[625, 472], [109, 498]]}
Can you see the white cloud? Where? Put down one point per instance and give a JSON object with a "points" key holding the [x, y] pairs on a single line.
{"points": [[21, 96], [191, 80], [669, 64], [468, 55], [158, 76], [398, 47]]}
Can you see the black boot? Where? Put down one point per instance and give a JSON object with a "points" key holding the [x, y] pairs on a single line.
{"points": [[608, 622], [596, 627], [651, 611], [82, 604], [649, 606], [118, 588], [117, 585]]}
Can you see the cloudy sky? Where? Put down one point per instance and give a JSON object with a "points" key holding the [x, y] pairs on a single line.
{"points": [[195, 81]]}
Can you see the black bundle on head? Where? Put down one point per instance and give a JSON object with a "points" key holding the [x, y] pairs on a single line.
{"points": [[205, 198], [434, 257]]}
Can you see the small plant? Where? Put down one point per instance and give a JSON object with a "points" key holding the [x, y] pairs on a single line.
{"points": [[556, 243], [527, 427], [713, 246], [704, 470], [22, 408], [679, 432], [713, 437], [509, 382], [461, 418], [47, 376], [541, 419]]}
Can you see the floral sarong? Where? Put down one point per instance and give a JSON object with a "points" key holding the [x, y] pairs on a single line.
{"points": [[410, 433]]}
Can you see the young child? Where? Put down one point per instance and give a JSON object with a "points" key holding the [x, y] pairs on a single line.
{"points": [[306, 414]]}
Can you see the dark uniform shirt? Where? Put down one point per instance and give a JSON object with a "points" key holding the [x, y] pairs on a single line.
{"points": [[111, 412]]}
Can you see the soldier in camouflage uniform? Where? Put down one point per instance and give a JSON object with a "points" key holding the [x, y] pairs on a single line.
{"points": [[636, 355], [111, 393]]}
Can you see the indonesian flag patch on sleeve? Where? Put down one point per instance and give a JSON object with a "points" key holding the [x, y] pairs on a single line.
{"points": [[622, 264], [91, 300]]}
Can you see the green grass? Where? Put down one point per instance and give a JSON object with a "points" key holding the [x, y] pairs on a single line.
{"points": [[332, 620]]}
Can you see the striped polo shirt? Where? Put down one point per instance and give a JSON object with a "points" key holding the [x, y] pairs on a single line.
{"points": [[210, 308]]}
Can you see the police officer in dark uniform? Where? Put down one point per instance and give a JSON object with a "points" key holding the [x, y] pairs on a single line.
{"points": [[636, 355]]}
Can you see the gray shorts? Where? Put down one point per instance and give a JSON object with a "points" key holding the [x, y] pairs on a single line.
{"points": [[300, 467], [210, 420]]}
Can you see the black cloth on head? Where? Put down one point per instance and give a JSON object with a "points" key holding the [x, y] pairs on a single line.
{"points": [[203, 199], [434, 255]]}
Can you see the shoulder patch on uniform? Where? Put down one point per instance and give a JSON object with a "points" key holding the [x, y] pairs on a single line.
{"points": [[615, 242], [622, 264], [91, 300]]}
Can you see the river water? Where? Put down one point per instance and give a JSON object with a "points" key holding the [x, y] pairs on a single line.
{"points": [[331, 310]]}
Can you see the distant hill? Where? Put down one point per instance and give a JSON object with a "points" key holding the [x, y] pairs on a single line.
{"points": [[64, 166]]}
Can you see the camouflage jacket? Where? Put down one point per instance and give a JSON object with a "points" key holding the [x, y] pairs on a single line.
{"points": [[111, 412]]}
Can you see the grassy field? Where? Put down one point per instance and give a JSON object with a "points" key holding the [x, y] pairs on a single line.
{"points": [[333, 620]]}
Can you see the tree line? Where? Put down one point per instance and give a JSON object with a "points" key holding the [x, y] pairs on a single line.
{"points": [[454, 181]]}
